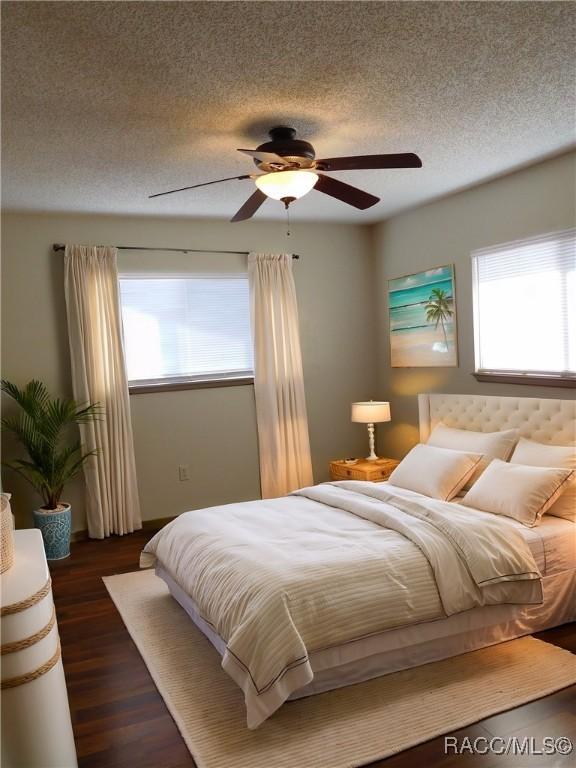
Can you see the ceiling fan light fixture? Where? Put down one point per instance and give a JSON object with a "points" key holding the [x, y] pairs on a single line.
{"points": [[286, 184]]}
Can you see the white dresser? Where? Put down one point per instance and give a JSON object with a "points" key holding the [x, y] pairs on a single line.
{"points": [[36, 726]]}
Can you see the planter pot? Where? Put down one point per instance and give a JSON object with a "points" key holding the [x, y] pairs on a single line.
{"points": [[55, 526]]}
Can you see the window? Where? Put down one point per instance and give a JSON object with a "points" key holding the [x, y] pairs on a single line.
{"points": [[525, 308], [185, 329]]}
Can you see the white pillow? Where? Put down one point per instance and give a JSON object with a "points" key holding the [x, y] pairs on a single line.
{"points": [[518, 491], [540, 455], [436, 472], [493, 445]]}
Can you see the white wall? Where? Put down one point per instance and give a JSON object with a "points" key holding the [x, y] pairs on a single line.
{"points": [[341, 281], [532, 201], [212, 430]]}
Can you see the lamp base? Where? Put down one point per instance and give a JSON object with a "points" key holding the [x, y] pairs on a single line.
{"points": [[372, 456]]}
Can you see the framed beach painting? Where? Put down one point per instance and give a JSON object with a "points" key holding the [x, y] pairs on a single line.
{"points": [[422, 319]]}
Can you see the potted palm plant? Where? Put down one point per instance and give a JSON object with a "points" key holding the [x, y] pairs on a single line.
{"points": [[42, 426]]}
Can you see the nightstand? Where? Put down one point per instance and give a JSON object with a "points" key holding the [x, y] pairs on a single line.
{"points": [[374, 471], [36, 725]]}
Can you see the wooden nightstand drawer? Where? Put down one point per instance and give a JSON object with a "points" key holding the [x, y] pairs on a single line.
{"points": [[374, 471], [346, 472]]}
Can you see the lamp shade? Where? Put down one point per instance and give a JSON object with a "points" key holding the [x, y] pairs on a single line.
{"points": [[371, 412], [280, 184]]}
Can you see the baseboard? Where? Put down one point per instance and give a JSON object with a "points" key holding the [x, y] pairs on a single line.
{"points": [[157, 523], [147, 525]]}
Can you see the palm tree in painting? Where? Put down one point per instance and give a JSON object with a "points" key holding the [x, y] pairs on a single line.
{"points": [[438, 310]]}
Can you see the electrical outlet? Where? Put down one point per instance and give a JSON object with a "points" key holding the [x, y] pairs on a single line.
{"points": [[184, 472]]}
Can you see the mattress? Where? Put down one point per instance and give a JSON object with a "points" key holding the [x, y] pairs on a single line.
{"points": [[553, 545]]}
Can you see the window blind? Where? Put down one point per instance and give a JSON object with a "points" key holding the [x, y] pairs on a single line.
{"points": [[186, 328], [525, 306]]}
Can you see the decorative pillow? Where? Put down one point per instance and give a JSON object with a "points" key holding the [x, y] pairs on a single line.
{"points": [[493, 445], [436, 472], [544, 455], [517, 490]]}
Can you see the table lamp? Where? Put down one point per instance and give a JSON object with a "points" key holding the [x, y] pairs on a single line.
{"points": [[371, 413]]}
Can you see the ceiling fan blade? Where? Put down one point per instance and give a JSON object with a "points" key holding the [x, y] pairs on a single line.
{"points": [[250, 206], [345, 192], [367, 162], [265, 157], [204, 184]]}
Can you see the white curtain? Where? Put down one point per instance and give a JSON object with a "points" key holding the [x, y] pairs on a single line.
{"points": [[283, 441], [99, 375]]}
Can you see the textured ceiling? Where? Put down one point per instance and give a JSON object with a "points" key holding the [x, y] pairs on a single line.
{"points": [[104, 103]]}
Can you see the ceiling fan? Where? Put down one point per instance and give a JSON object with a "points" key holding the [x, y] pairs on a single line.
{"points": [[289, 170]]}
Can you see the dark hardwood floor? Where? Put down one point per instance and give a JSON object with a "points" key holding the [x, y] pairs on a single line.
{"points": [[120, 719]]}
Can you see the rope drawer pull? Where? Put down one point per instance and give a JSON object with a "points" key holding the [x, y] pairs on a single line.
{"points": [[26, 642], [14, 682], [8, 610]]}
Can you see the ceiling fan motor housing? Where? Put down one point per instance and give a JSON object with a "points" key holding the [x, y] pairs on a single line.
{"points": [[284, 143]]}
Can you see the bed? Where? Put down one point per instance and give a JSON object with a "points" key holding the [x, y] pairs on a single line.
{"points": [[356, 580]]}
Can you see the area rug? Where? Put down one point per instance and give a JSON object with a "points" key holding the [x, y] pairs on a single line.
{"points": [[340, 729]]}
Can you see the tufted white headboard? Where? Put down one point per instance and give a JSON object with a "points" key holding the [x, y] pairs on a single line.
{"points": [[539, 419]]}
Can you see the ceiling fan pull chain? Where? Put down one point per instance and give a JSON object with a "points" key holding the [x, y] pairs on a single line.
{"points": [[287, 220]]}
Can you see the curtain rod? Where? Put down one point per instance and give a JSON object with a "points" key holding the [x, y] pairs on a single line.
{"points": [[60, 247]]}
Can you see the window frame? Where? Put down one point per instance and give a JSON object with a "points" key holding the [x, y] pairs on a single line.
{"points": [[503, 376], [180, 383]]}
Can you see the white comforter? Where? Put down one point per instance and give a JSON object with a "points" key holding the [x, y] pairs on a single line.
{"points": [[279, 579]]}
